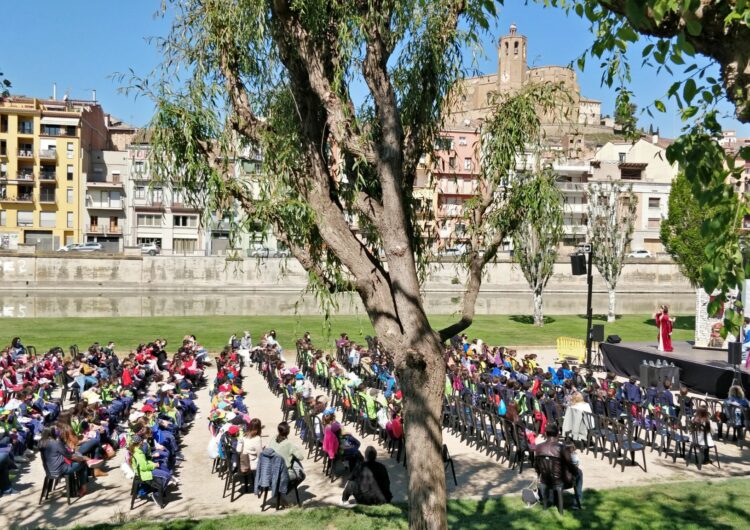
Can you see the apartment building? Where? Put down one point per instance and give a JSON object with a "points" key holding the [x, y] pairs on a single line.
{"points": [[644, 165], [156, 213], [43, 163], [106, 222]]}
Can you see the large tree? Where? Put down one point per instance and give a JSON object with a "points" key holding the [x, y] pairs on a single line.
{"points": [[536, 240], [5, 86], [682, 231], [611, 216], [343, 98]]}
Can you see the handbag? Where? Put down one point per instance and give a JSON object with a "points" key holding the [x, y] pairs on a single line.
{"points": [[530, 494]]}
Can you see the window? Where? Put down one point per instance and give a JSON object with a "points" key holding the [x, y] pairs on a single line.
{"points": [[3, 148], [444, 144], [157, 194], [3, 218], [506, 48], [149, 219], [631, 174], [70, 150], [452, 162], [462, 140], [621, 157], [184, 245], [468, 164], [70, 219], [654, 222], [70, 172], [515, 48], [654, 202], [139, 167], [47, 219], [94, 221], [69, 197], [47, 194], [25, 218], [185, 220], [147, 240], [140, 192]]}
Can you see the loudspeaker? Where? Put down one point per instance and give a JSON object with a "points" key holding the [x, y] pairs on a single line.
{"points": [[613, 339], [597, 332], [734, 353], [578, 264]]}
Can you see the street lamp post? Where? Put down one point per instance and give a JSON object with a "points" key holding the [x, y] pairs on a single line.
{"points": [[589, 249]]}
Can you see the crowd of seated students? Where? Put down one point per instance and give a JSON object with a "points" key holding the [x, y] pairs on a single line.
{"points": [[532, 398], [236, 436], [99, 392]]}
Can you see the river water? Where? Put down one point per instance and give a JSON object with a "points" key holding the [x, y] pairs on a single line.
{"points": [[34, 304]]}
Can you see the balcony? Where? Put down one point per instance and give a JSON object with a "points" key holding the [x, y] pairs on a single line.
{"points": [[58, 131], [112, 182], [183, 207], [48, 176], [48, 154], [579, 187], [451, 210], [23, 176], [577, 208], [104, 205], [148, 206], [458, 187], [26, 128], [26, 154], [21, 197], [104, 230], [47, 198]]}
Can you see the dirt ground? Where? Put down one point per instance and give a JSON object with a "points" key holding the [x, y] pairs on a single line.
{"points": [[200, 492]]}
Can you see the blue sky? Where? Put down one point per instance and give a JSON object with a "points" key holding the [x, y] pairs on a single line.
{"points": [[79, 44]]}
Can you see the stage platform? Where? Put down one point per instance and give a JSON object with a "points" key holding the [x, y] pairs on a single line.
{"points": [[703, 371]]}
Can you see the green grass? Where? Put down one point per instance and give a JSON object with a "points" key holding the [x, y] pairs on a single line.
{"points": [[213, 331], [719, 505]]}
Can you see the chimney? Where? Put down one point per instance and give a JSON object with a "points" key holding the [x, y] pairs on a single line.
{"points": [[54, 90], [655, 138], [93, 95]]}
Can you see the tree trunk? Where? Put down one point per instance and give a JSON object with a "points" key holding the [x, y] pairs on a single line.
{"points": [[538, 312], [611, 317], [422, 375]]}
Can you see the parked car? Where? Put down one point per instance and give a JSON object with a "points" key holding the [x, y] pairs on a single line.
{"points": [[641, 253], [69, 247], [282, 253], [259, 251], [88, 247], [451, 252], [152, 249]]}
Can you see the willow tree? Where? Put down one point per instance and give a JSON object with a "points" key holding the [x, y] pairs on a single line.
{"points": [[611, 218], [537, 237], [342, 99]]}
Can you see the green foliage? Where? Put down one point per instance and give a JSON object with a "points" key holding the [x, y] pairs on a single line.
{"points": [[612, 209], [682, 231], [5, 86], [625, 114], [537, 237], [708, 169]]}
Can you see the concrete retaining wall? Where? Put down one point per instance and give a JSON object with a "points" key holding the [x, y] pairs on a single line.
{"points": [[176, 273]]}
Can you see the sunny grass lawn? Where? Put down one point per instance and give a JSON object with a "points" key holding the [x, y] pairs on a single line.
{"points": [[213, 331], [718, 505]]}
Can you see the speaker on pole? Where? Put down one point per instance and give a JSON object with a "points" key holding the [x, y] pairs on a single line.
{"points": [[597, 332], [578, 264], [734, 353]]}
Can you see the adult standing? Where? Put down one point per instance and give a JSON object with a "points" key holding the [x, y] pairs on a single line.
{"points": [[664, 326]]}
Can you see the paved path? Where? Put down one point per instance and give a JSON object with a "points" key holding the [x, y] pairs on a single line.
{"points": [[200, 492]]}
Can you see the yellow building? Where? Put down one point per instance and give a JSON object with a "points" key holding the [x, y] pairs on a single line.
{"points": [[44, 146]]}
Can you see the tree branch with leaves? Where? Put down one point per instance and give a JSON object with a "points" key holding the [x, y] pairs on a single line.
{"points": [[612, 209]]}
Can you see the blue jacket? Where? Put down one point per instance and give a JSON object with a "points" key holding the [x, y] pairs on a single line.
{"points": [[271, 473]]}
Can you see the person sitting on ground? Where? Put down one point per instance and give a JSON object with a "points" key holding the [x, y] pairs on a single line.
{"points": [[369, 482]]}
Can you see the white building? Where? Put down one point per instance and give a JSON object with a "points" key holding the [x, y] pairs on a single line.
{"points": [[105, 220]]}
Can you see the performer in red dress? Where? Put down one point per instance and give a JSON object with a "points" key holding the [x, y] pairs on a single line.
{"points": [[664, 325]]}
